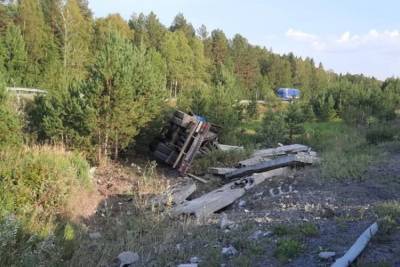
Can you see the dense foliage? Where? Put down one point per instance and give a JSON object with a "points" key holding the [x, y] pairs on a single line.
{"points": [[107, 77]]}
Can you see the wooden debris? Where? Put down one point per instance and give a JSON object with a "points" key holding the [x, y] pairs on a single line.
{"points": [[197, 178], [216, 200], [289, 160], [357, 247]]}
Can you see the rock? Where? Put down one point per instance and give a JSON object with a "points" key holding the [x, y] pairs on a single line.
{"points": [[256, 235], [257, 195], [229, 251], [92, 171], [127, 258], [267, 233], [242, 203], [225, 223], [188, 265], [194, 260], [95, 235], [327, 255]]}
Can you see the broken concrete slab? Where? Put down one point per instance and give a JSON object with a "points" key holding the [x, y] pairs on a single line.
{"points": [[176, 194], [300, 158], [270, 153], [228, 148], [220, 171], [217, 199], [281, 150]]}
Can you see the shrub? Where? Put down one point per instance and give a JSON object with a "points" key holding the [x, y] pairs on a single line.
{"points": [[287, 249], [35, 184], [10, 124], [308, 229], [380, 134], [274, 128]]}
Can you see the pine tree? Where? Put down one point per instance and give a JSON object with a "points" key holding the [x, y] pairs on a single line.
{"points": [[180, 24], [112, 23], [15, 56], [127, 87], [219, 47], [37, 37], [245, 62], [10, 124]]}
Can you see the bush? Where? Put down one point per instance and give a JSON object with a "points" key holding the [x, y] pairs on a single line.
{"points": [[287, 249], [10, 124], [380, 134], [274, 129], [36, 183]]}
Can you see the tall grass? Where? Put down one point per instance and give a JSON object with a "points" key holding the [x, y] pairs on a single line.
{"points": [[35, 186], [344, 150]]}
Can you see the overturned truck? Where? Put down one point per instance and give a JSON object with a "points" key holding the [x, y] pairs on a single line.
{"points": [[185, 136]]}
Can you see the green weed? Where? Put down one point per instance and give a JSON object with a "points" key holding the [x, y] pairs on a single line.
{"points": [[287, 249]]}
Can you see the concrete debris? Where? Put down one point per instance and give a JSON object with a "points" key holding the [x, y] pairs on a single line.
{"points": [[127, 257], [194, 260], [220, 198], [228, 148], [177, 194], [242, 203], [276, 192], [301, 158], [229, 251], [259, 234], [225, 223], [326, 255], [356, 249], [95, 235], [188, 265]]}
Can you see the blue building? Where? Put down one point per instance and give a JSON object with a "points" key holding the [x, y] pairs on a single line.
{"points": [[288, 94]]}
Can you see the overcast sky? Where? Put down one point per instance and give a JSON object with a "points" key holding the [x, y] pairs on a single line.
{"points": [[347, 36]]}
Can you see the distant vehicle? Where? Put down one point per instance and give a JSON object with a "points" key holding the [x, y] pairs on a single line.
{"points": [[288, 94]]}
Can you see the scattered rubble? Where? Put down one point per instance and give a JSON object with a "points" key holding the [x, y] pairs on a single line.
{"points": [[242, 203], [127, 257], [259, 234], [177, 194], [326, 255], [194, 260], [215, 200], [225, 223], [94, 235], [188, 265], [229, 251]]}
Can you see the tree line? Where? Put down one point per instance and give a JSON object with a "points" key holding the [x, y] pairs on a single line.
{"points": [[108, 78]]}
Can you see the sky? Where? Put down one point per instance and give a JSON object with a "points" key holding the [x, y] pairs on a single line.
{"points": [[345, 35]]}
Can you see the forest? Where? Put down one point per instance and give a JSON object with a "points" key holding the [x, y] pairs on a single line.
{"points": [[111, 83]]}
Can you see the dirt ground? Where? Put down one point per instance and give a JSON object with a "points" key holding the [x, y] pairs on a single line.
{"points": [[341, 211]]}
